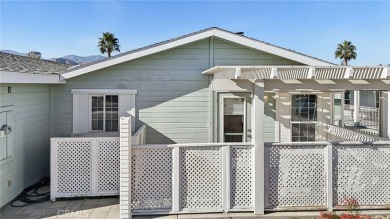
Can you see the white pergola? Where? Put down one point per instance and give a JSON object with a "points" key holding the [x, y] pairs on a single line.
{"points": [[300, 72], [316, 78]]}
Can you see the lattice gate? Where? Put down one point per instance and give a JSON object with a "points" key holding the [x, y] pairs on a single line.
{"points": [[362, 171], [295, 177]]}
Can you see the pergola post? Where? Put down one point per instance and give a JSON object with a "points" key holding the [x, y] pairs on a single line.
{"points": [[258, 141], [385, 114], [356, 107]]}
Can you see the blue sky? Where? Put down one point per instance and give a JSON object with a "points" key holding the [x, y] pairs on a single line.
{"points": [[58, 28]]}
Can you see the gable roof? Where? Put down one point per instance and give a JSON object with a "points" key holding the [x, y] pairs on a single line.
{"points": [[22, 69], [193, 37]]}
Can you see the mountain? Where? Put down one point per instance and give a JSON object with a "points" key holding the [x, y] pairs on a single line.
{"points": [[68, 59], [14, 52], [64, 61], [83, 59]]}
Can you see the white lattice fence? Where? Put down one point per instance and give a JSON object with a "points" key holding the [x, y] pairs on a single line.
{"points": [[362, 171], [151, 178], [241, 177], [201, 178], [84, 167], [295, 176]]}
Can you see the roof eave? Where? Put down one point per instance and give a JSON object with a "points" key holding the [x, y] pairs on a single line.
{"points": [[26, 78]]}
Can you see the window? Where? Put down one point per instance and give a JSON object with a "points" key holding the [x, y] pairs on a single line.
{"points": [[303, 117], [233, 116], [347, 97], [99, 110], [104, 111]]}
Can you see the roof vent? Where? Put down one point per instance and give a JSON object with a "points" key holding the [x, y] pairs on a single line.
{"points": [[240, 33], [34, 55]]}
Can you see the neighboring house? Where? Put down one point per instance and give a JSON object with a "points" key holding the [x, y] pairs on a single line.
{"points": [[25, 107], [195, 91]]}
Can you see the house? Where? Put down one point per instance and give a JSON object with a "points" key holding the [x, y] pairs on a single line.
{"points": [[25, 108], [215, 121]]}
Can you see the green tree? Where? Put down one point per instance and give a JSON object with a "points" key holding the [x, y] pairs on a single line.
{"points": [[345, 51], [108, 43]]}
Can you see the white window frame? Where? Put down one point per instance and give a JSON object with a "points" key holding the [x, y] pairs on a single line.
{"points": [[104, 112], [82, 102], [303, 122]]}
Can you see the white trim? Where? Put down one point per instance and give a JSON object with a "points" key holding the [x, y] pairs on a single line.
{"points": [[16, 77], [196, 37], [103, 91]]}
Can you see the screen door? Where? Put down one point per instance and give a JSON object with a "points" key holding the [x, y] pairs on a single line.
{"points": [[234, 117]]}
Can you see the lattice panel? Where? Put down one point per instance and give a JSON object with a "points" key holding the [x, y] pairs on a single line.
{"points": [[108, 166], [363, 173], [74, 167], [296, 176], [241, 169], [151, 179], [201, 178]]}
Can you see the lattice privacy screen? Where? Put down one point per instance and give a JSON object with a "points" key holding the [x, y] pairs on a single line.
{"points": [[74, 167], [363, 173], [108, 166], [151, 179], [241, 170], [201, 178], [295, 176]]}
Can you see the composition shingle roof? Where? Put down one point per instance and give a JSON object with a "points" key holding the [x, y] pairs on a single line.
{"points": [[23, 64]]}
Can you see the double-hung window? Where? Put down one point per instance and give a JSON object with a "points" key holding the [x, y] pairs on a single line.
{"points": [[104, 113], [303, 117]]}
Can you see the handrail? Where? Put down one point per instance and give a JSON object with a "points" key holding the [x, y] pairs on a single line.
{"points": [[311, 143], [351, 135], [249, 144]]}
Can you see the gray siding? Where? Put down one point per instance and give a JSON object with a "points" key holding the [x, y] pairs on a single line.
{"points": [[30, 161], [226, 53], [173, 97]]}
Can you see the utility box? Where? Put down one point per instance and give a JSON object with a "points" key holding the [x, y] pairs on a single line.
{"points": [[6, 132]]}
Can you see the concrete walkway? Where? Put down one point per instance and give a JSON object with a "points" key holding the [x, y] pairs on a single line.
{"points": [[109, 208], [76, 208]]}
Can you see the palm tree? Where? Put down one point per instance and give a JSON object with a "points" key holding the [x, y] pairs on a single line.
{"points": [[345, 51], [108, 43]]}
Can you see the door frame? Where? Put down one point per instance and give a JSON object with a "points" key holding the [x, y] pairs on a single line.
{"points": [[218, 117]]}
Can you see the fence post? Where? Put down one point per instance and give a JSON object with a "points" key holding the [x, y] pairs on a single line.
{"points": [[258, 141], [53, 169], [226, 177], [176, 179], [329, 176], [125, 168]]}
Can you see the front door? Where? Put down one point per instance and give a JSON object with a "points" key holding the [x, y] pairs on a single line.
{"points": [[234, 117]]}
